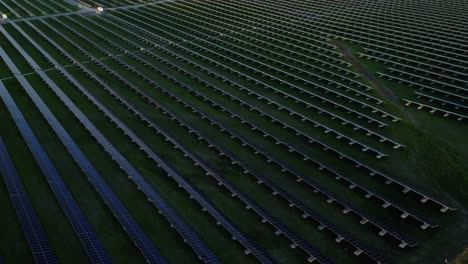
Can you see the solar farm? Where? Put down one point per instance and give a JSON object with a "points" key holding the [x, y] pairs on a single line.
{"points": [[234, 131]]}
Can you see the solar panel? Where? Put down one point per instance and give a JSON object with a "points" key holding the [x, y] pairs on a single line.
{"points": [[232, 229], [136, 233], [168, 212], [82, 228], [297, 240], [37, 239], [287, 26], [251, 248], [369, 252], [250, 203]]}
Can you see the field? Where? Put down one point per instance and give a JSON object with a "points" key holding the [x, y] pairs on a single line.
{"points": [[274, 131]]}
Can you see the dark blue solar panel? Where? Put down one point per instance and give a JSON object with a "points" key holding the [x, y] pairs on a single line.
{"points": [[252, 248], [168, 212], [196, 194], [71, 209], [135, 232], [425, 196], [30, 223], [317, 217]]}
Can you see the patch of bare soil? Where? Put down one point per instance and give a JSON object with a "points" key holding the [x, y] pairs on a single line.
{"points": [[380, 87], [363, 71]]}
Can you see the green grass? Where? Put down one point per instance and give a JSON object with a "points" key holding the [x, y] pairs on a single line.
{"points": [[433, 159]]}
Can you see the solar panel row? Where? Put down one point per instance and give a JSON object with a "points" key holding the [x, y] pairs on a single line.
{"points": [[384, 228], [267, 218], [360, 247], [213, 8], [37, 239], [405, 212], [129, 224], [315, 255], [192, 191], [80, 224], [262, 23], [371, 171], [168, 212], [342, 235], [295, 239], [254, 62], [430, 58]]}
